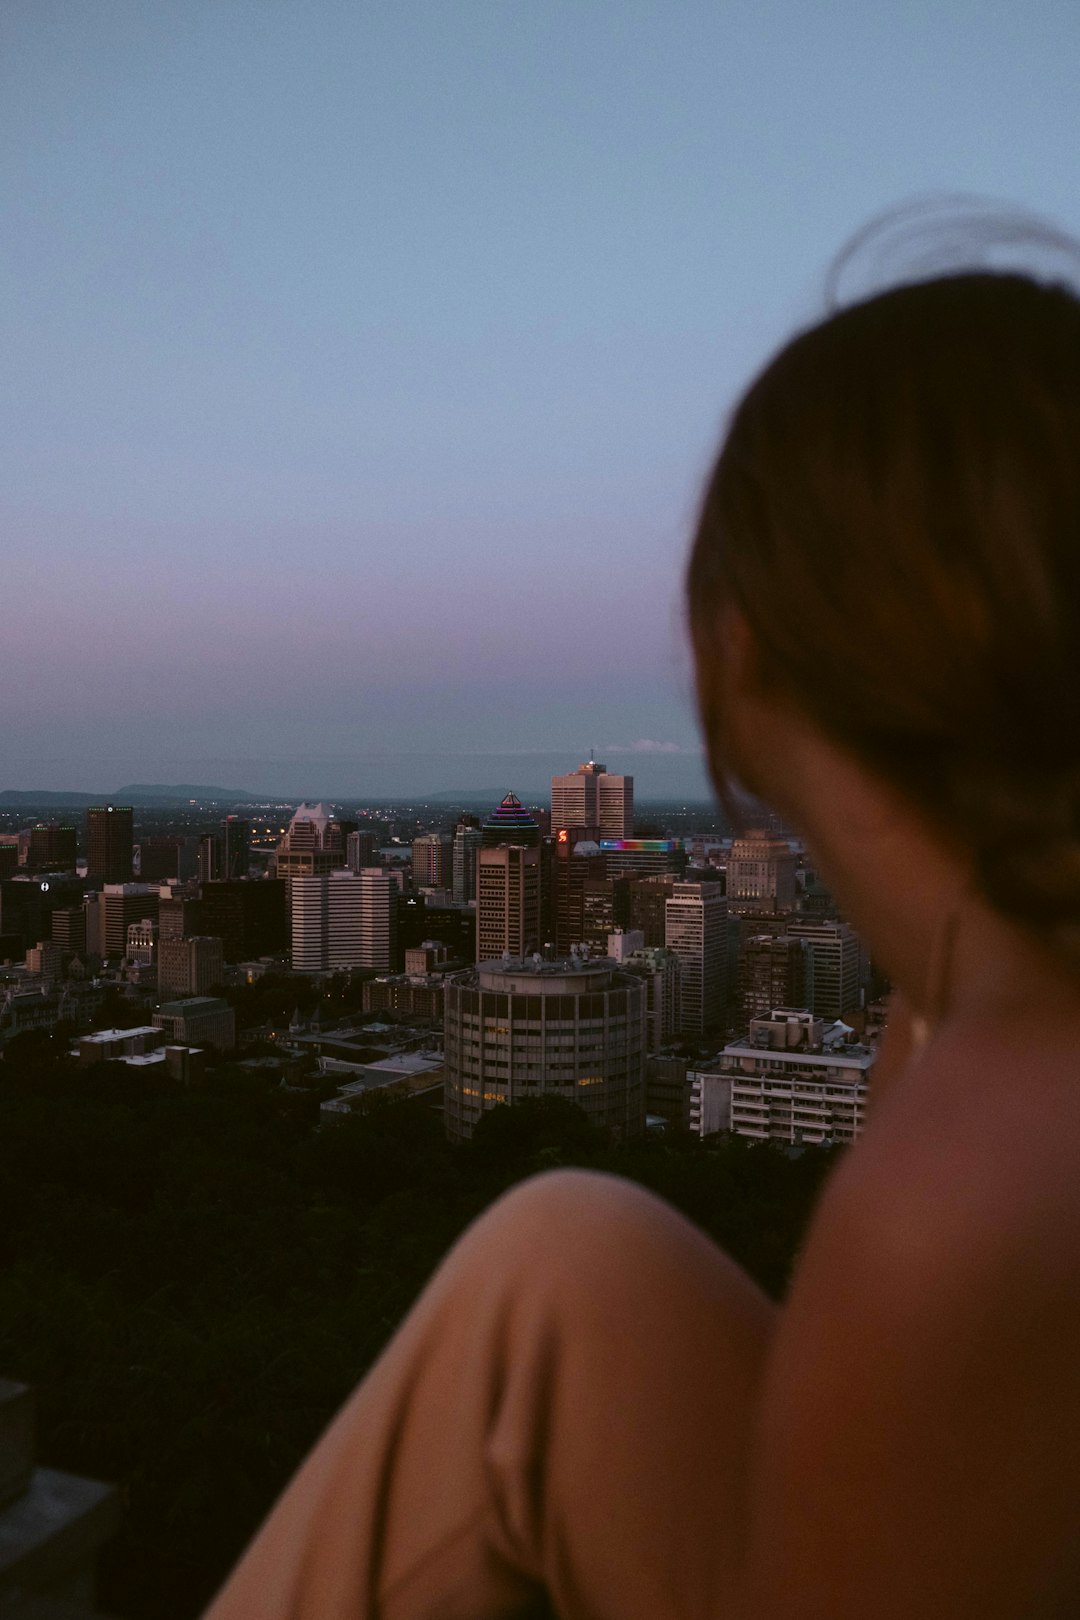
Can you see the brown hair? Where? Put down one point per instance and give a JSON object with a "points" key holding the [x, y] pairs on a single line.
{"points": [[896, 513]]}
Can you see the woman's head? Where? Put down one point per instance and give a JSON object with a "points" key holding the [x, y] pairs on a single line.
{"points": [[895, 517]]}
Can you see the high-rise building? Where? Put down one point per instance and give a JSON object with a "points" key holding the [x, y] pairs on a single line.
{"points": [[467, 840], [209, 865], [360, 847], [157, 860], [9, 854], [696, 929], [647, 907], [109, 840], [306, 848], [507, 901], [660, 970], [50, 846], [528, 1029], [324, 911], [68, 929], [833, 966], [771, 973], [235, 848], [189, 967], [343, 919], [249, 915], [760, 874], [510, 823], [114, 910], [577, 890], [432, 861], [593, 797]]}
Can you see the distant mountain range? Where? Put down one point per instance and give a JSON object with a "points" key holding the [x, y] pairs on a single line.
{"points": [[133, 793]]}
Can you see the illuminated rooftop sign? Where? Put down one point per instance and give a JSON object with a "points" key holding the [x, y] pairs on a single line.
{"points": [[652, 846]]}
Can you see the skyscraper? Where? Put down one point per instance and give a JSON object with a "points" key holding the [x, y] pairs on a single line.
{"points": [[467, 840], [306, 850], [51, 846], [833, 966], [771, 973], [696, 930], [325, 916], [432, 861], [507, 901], [592, 797], [109, 838], [235, 847], [378, 919], [761, 876]]}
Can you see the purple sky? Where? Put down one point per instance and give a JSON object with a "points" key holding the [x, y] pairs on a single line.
{"points": [[363, 360]]}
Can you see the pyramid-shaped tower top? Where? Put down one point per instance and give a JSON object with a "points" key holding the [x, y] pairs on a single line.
{"points": [[510, 823]]}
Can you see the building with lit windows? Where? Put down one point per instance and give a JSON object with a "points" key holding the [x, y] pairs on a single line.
{"points": [[110, 843], [432, 861], [795, 1078], [592, 796], [696, 929], [518, 1029], [761, 875]]}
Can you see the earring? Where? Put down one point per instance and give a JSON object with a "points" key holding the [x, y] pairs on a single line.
{"points": [[938, 977]]}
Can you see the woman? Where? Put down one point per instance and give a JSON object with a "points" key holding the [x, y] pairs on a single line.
{"points": [[591, 1411]]}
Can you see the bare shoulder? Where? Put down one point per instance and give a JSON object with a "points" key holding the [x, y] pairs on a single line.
{"points": [[920, 1420]]}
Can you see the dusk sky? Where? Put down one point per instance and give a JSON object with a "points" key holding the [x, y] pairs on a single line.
{"points": [[362, 361]]}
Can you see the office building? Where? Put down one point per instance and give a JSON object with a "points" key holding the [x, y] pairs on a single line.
{"points": [[45, 960], [432, 861], [696, 929], [111, 913], [142, 942], [9, 854], [760, 874], [110, 843], [67, 926], [795, 1078], [208, 863], [249, 915], [771, 973], [324, 914], [26, 907], [645, 857], [510, 823], [833, 966], [50, 846], [361, 847], [235, 839], [592, 797], [660, 970], [521, 1029], [647, 900], [160, 860], [507, 901], [198, 1021], [580, 897], [306, 849], [378, 919], [467, 840], [190, 967]]}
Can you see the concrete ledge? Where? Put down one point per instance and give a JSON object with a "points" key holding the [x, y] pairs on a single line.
{"points": [[16, 1439], [51, 1534]]}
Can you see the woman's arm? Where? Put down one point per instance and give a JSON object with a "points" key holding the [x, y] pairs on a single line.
{"points": [[918, 1451]]}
